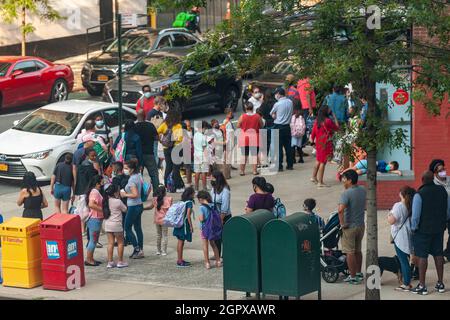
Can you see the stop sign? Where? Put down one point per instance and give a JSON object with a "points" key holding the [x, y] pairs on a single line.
{"points": [[401, 97]]}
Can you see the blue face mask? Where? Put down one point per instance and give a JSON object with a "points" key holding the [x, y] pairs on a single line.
{"points": [[147, 95], [99, 124], [388, 168]]}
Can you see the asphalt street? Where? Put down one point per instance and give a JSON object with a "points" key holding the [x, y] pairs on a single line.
{"points": [[8, 117]]}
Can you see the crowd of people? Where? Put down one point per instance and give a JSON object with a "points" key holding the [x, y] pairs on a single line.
{"points": [[103, 181]]}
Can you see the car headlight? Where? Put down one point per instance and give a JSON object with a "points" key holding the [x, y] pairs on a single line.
{"points": [[38, 155]]}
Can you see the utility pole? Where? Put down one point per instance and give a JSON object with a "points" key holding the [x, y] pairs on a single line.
{"points": [[119, 70]]}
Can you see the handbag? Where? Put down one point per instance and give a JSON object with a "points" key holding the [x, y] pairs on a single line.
{"points": [[392, 239]]}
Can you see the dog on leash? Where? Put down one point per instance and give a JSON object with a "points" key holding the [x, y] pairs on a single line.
{"points": [[391, 264]]}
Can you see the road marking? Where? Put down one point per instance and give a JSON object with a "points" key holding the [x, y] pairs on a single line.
{"points": [[14, 114]]}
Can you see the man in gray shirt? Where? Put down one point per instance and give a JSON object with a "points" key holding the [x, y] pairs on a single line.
{"points": [[282, 113], [352, 207]]}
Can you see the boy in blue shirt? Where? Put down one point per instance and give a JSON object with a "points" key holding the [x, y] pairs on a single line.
{"points": [[309, 205]]}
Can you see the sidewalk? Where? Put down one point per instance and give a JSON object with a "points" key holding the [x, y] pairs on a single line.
{"points": [[158, 278], [76, 63]]}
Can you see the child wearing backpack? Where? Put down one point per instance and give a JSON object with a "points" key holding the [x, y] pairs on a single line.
{"points": [[298, 128], [184, 232], [162, 204], [210, 223], [309, 205]]}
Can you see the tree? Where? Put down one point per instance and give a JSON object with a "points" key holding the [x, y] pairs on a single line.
{"points": [[12, 10], [364, 42]]}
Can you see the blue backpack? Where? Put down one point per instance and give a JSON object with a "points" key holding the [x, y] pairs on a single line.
{"points": [[212, 227], [279, 210]]}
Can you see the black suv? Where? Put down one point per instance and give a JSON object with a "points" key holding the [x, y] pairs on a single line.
{"points": [[135, 44], [224, 93]]}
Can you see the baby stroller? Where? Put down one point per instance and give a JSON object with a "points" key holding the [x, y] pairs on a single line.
{"points": [[333, 261]]}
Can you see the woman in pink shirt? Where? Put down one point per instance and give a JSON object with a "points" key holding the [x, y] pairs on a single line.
{"points": [[94, 202], [162, 204]]}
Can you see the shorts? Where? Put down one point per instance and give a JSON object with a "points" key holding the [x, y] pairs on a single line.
{"points": [[352, 239], [245, 151], [201, 167], [296, 141], [62, 192], [428, 244]]}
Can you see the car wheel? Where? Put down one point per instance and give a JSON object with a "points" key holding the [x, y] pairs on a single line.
{"points": [[230, 99], [60, 91], [95, 91]]}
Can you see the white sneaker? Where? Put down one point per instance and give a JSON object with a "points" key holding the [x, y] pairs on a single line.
{"points": [[111, 265], [158, 253], [164, 254], [122, 264]]}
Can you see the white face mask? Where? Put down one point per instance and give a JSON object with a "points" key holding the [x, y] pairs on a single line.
{"points": [[126, 172], [442, 174]]}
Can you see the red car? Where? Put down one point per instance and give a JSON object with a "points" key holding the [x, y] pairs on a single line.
{"points": [[26, 80]]}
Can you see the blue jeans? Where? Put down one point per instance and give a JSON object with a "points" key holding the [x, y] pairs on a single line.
{"points": [[94, 226], [133, 220], [404, 265], [155, 151]]}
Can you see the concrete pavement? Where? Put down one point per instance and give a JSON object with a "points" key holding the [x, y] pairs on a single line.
{"points": [[158, 278]]}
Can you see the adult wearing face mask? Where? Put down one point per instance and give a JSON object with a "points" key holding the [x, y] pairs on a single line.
{"points": [[282, 113], [437, 166], [102, 131], [147, 101], [256, 99]]}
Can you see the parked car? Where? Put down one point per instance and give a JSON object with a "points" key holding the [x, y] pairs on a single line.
{"points": [[136, 43], [26, 80], [224, 93], [43, 138]]}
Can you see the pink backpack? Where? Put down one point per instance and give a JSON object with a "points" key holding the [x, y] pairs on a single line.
{"points": [[298, 126]]}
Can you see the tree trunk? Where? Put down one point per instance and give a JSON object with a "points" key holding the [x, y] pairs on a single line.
{"points": [[372, 289], [24, 36]]}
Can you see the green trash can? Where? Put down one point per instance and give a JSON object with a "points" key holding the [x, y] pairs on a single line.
{"points": [[241, 252], [290, 256]]}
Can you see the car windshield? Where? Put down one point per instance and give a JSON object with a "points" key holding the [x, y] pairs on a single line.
{"points": [[51, 122], [284, 68], [157, 67], [4, 68], [132, 45]]}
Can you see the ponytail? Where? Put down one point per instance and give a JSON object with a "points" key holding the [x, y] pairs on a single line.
{"points": [[408, 194], [160, 194], [109, 193]]}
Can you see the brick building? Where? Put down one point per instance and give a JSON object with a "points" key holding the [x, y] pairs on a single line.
{"points": [[430, 137]]}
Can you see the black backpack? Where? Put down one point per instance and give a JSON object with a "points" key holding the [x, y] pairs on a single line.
{"points": [[85, 171]]}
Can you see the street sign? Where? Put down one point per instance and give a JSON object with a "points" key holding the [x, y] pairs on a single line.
{"points": [[129, 20], [400, 97]]}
